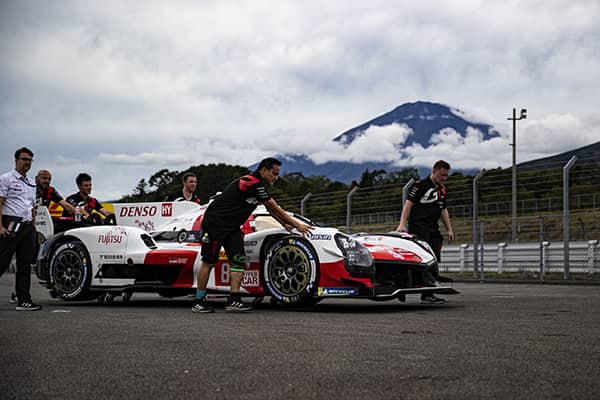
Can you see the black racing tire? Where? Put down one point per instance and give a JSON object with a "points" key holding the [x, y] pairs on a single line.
{"points": [[70, 271], [291, 271], [182, 236]]}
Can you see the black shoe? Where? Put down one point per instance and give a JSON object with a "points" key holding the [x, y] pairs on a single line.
{"points": [[431, 299], [238, 306], [13, 298], [28, 306], [200, 306]]}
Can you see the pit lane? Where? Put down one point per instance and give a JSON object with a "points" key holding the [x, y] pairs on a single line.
{"points": [[491, 341]]}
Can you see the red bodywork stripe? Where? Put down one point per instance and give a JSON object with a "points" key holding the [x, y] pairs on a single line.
{"points": [[172, 258]]}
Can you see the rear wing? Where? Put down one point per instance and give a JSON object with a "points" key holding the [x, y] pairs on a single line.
{"points": [[149, 216]]}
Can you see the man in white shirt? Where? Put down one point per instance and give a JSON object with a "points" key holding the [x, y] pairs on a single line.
{"points": [[17, 229]]}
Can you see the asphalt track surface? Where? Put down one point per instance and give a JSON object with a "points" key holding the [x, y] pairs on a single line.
{"points": [[492, 341]]}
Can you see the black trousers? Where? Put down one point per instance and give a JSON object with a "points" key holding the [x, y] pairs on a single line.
{"points": [[23, 245], [434, 238]]}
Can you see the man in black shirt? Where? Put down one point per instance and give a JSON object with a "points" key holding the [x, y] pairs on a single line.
{"points": [[221, 228], [83, 200], [46, 193], [425, 204], [188, 190]]}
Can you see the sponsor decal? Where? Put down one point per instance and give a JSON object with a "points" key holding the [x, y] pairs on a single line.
{"points": [[111, 256], [325, 291], [145, 225], [109, 238], [114, 236], [166, 210], [177, 260], [251, 279], [320, 236], [138, 211]]}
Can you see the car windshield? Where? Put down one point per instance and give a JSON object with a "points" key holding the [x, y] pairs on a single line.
{"points": [[264, 222]]}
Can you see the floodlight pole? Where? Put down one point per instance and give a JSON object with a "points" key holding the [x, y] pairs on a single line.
{"points": [[514, 119]]}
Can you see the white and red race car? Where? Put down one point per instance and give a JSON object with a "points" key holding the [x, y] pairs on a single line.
{"points": [[155, 247]]}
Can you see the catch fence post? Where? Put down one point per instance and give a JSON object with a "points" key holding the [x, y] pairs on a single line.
{"points": [[349, 209], [566, 217], [481, 241], [303, 203], [475, 219]]}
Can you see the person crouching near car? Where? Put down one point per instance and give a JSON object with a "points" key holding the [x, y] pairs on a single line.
{"points": [[86, 203], [17, 229], [46, 193], [221, 228]]}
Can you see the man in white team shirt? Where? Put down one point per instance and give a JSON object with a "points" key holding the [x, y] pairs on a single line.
{"points": [[17, 229]]}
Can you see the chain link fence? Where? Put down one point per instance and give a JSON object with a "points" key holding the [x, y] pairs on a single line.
{"points": [[555, 231]]}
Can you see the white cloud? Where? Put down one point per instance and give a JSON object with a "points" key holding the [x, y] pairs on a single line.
{"points": [[140, 85]]}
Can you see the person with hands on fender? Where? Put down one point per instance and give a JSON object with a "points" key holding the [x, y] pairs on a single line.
{"points": [[425, 204], [17, 227], [221, 228]]}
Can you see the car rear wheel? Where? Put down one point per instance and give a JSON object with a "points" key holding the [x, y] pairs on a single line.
{"points": [[291, 271], [70, 271]]}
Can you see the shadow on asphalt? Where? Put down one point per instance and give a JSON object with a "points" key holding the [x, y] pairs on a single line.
{"points": [[339, 307]]}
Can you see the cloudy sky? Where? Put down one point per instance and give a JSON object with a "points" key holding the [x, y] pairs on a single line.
{"points": [[121, 89]]}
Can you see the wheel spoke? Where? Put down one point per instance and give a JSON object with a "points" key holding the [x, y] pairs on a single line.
{"points": [[289, 270], [68, 271]]}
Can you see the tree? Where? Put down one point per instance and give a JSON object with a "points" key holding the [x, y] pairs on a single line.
{"points": [[140, 190], [162, 178]]}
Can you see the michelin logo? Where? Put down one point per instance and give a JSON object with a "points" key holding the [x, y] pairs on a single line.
{"points": [[324, 291], [320, 236]]}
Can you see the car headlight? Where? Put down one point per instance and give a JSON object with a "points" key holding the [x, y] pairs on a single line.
{"points": [[427, 247], [424, 245], [355, 253]]}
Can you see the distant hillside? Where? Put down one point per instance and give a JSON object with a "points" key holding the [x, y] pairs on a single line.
{"points": [[584, 153]]}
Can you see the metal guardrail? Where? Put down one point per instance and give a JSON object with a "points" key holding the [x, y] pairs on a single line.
{"points": [[536, 257]]}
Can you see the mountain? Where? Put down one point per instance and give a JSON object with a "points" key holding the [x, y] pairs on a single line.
{"points": [[423, 118]]}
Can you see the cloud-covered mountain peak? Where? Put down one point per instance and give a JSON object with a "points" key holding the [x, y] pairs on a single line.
{"points": [[424, 119]]}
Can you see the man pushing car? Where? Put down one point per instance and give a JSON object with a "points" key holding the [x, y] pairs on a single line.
{"points": [[221, 228]]}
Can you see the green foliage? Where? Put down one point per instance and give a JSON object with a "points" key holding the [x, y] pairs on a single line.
{"points": [[213, 178]]}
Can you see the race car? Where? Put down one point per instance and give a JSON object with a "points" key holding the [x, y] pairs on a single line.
{"points": [[102, 262]]}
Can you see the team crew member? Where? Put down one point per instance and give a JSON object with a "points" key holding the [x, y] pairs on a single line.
{"points": [[17, 229], [425, 204], [83, 200], [221, 227], [46, 193], [188, 190]]}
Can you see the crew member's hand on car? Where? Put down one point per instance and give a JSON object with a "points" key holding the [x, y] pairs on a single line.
{"points": [[303, 228]]}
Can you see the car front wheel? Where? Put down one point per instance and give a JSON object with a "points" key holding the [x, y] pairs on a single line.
{"points": [[70, 271], [291, 271]]}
